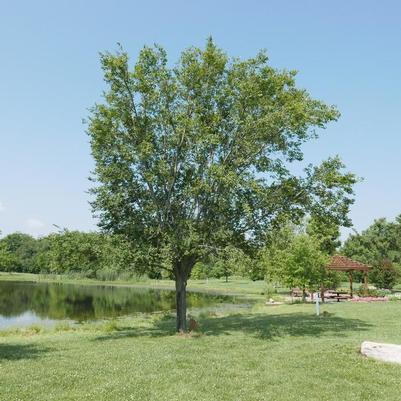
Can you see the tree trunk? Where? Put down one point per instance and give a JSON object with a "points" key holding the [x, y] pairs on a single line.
{"points": [[181, 301], [182, 271]]}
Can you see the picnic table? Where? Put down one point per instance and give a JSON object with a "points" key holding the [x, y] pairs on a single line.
{"points": [[338, 295]]}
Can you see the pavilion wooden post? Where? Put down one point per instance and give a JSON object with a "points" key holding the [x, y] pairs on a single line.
{"points": [[350, 282]]}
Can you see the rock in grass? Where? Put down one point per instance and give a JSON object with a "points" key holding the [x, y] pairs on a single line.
{"points": [[382, 352]]}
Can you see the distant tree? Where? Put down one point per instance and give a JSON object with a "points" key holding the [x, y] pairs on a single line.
{"points": [[230, 261], [193, 157], [201, 271], [298, 262], [384, 274], [227, 262], [379, 246], [24, 248], [380, 241], [41, 260], [275, 252], [91, 255], [74, 252], [8, 261]]}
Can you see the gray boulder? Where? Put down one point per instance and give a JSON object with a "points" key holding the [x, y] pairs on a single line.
{"points": [[382, 352]]}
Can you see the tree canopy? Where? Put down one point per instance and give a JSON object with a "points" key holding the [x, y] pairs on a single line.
{"points": [[75, 253], [379, 246], [381, 240], [19, 252], [195, 156], [295, 257]]}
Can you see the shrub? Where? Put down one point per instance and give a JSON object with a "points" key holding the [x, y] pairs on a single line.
{"points": [[384, 274], [62, 326], [106, 275], [199, 271], [110, 326], [270, 291], [370, 292]]}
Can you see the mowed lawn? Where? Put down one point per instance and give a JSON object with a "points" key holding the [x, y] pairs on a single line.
{"points": [[264, 353]]}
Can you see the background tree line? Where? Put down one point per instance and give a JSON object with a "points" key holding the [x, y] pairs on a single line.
{"points": [[83, 254], [293, 256]]}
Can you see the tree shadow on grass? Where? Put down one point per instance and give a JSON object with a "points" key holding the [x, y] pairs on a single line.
{"points": [[280, 325], [12, 352], [260, 326], [164, 326]]}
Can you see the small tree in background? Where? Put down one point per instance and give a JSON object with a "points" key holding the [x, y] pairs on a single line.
{"points": [[380, 241], [227, 262], [306, 264], [24, 249], [300, 263], [86, 254], [8, 261], [379, 246], [231, 261], [384, 274]]}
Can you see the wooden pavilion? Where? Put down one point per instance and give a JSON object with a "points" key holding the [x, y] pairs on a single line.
{"points": [[344, 264]]}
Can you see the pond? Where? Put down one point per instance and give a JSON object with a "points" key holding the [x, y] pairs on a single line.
{"points": [[27, 303]]}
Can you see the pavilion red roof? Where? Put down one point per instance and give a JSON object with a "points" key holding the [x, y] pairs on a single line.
{"points": [[342, 263]]}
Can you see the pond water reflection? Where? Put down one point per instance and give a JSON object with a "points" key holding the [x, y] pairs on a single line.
{"points": [[25, 303]]}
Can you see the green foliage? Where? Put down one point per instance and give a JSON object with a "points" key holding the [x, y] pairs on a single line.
{"points": [[226, 262], [326, 232], [271, 291], [296, 260], [110, 326], [379, 246], [91, 255], [8, 261], [230, 261], [73, 251], [200, 271], [305, 264], [371, 292], [79, 254], [22, 249], [384, 274], [382, 240], [273, 256], [196, 157]]}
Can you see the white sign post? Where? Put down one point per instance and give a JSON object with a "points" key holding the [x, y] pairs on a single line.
{"points": [[317, 304]]}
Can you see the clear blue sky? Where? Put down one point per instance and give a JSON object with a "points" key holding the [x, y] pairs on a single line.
{"points": [[348, 53]]}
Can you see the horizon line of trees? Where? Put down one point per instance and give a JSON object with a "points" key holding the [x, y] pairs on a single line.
{"points": [[293, 256]]}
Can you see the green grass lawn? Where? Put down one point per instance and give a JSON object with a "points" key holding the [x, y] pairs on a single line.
{"points": [[264, 353]]}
